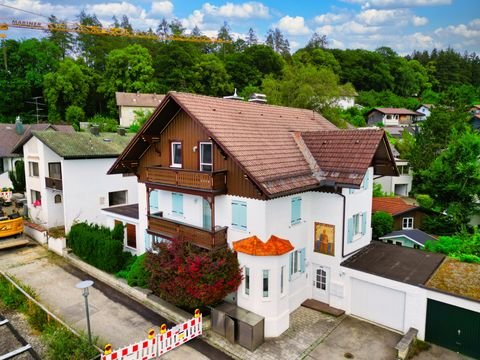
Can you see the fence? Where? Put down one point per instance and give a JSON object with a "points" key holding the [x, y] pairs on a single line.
{"points": [[159, 344]]}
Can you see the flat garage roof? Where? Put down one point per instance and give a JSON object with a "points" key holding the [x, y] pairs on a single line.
{"points": [[130, 211]]}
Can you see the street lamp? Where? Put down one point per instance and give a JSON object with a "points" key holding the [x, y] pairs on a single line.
{"points": [[84, 285]]}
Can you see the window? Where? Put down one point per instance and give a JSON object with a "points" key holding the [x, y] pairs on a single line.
{"points": [[407, 223], [33, 168], [357, 221], [297, 262], [55, 170], [398, 243], [247, 280], [265, 282], [176, 154], [131, 236], [117, 198], [239, 215], [389, 117], [282, 281], [390, 241], [321, 279], [416, 246], [206, 156], [36, 198], [357, 226], [177, 204], [296, 210], [403, 169], [57, 199]]}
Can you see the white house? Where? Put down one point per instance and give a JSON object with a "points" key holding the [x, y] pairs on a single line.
{"points": [[128, 103], [399, 185], [66, 179], [344, 102], [424, 109]]}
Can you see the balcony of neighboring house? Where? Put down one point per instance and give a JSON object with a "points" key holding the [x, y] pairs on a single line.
{"points": [[202, 237], [54, 179], [205, 181]]}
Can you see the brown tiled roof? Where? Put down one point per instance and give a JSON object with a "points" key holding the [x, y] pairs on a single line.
{"points": [[393, 111], [256, 247], [343, 156], [137, 99], [259, 137], [9, 139], [391, 205]]}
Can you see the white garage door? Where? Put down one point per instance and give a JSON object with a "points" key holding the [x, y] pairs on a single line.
{"points": [[378, 304]]}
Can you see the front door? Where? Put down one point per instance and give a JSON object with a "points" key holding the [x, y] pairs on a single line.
{"points": [[321, 283], [207, 215]]}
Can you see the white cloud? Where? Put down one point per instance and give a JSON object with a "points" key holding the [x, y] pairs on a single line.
{"points": [[194, 19], [419, 21], [164, 8], [469, 31], [293, 25], [382, 17], [398, 3], [331, 18], [324, 30], [107, 10], [64, 12], [247, 10]]}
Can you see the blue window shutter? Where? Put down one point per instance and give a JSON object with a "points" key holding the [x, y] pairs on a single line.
{"points": [[364, 223], [177, 203], [350, 231], [365, 181], [239, 215], [302, 260], [148, 245], [153, 201], [351, 191], [296, 210], [290, 265]]}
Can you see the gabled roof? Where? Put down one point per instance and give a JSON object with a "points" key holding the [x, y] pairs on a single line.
{"points": [[260, 138], [395, 111], [84, 145], [428, 106], [137, 99], [256, 247], [391, 205], [414, 235], [11, 143]]}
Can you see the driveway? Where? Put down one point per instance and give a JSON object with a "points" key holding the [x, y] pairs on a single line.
{"points": [[115, 318]]}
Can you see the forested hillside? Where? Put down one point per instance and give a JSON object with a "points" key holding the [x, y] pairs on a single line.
{"points": [[85, 71]]}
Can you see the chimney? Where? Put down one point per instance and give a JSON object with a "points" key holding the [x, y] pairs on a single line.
{"points": [[19, 129], [121, 131], [95, 130], [258, 98], [234, 96]]}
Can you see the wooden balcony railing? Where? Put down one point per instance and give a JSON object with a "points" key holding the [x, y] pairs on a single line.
{"points": [[215, 181], [53, 183], [204, 238]]}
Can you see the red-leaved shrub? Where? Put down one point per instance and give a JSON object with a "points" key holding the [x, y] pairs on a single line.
{"points": [[190, 277]]}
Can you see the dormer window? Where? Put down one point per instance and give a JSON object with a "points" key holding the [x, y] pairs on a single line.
{"points": [[176, 151], [206, 157]]}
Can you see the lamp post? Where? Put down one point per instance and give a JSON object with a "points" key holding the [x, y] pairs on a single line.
{"points": [[84, 285]]}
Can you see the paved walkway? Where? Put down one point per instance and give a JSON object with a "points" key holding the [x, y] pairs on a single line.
{"points": [[111, 321]]}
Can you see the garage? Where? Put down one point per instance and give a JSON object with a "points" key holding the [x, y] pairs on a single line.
{"points": [[378, 304], [453, 327]]}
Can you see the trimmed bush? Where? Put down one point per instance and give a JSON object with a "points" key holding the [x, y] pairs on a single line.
{"points": [[190, 277], [382, 223], [135, 272], [99, 246]]}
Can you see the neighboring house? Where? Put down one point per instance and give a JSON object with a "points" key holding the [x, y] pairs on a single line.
{"points": [[128, 103], [426, 110], [66, 177], [219, 172], [399, 185], [405, 216], [344, 102], [412, 238], [392, 116], [475, 122], [474, 110], [10, 136]]}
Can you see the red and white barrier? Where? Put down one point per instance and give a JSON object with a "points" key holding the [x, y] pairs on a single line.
{"points": [[161, 343]]}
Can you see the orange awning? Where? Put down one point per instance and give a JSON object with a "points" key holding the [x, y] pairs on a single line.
{"points": [[256, 247]]}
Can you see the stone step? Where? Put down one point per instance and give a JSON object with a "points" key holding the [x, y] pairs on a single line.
{"points": [[322, 307]]}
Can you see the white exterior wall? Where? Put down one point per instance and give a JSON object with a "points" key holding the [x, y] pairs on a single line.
{"points": [[86, 186], [127, 115], [425, 111], [389, 182], [142, 218], [344, 102], [110, 223]]}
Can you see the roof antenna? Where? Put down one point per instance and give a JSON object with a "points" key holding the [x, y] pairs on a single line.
{"points": [[234, 96]]}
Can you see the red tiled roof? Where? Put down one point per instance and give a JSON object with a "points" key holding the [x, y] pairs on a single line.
{"points": [[400, 111], [391, 205], [255, 247]]}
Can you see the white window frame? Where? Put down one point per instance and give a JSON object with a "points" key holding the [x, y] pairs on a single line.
{"points": [[172, 150], [202, 164], [357, 225], [30, 169], [38, 196], [409, 223]]}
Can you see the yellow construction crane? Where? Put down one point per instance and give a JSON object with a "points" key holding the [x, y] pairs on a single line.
{"points": [[98, 30]]}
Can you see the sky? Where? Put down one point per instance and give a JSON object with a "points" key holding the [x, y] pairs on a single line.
{"points": [[403, 25]]}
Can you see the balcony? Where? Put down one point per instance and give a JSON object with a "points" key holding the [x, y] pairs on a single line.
{"points": [[215, 181], [53, 183], [203, 238]]}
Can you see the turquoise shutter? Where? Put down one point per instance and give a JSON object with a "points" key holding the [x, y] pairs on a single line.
{"points": [[177, 203], [350, 231], [290, 265], [351, 191], [364, 223], [239, 215], [153, 202], [148, 245], [296, 210], [365, 181], [302, 260]]}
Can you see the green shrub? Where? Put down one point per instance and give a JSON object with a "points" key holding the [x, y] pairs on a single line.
{"points": [[63, 345], [424, 201], [99, 246], [104, 123], [74, 115], [469, 258], [382, 223], [11, 297]]}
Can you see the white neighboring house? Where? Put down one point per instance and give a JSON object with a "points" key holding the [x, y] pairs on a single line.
{"points": [[128, 103], [426, 110], [66, 179], [344, 102], [399, 185]]}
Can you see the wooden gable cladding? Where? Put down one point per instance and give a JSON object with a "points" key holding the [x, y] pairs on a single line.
{"points": [[190, 133]]}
